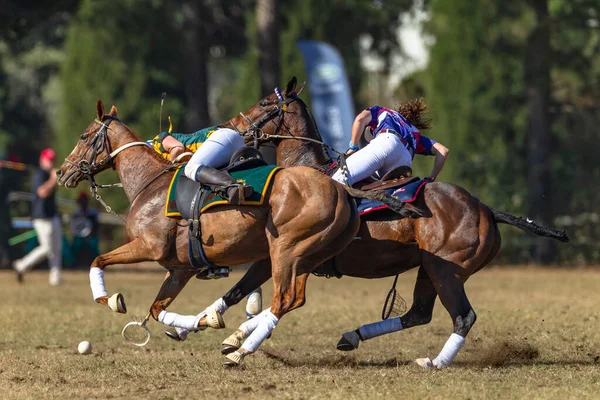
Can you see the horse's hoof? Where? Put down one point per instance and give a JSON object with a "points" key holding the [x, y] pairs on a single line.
{"points": [[233, 359], [424, 363], [230, 345], [349, 341], [214, 319], [172, 334], [116, 302]]}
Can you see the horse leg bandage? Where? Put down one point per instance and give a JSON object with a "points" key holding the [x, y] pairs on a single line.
{"points": [[249, 326], [375, 329], [449, 351], [97, 283], [181, 321], [267, 323], [219, 306]]}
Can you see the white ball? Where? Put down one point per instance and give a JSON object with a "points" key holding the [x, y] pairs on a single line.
{"points": [[84, 347]]}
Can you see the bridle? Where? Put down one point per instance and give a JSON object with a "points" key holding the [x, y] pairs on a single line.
{"points": [[258, 135], [98, 145], [255, 130]]}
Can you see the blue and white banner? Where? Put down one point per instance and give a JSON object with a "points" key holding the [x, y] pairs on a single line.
{"points": [[330, 95]]}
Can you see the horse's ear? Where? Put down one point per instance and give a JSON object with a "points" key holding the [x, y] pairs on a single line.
{"points": [[291, 86], [301, 88], [99, 109], [113, 111]]}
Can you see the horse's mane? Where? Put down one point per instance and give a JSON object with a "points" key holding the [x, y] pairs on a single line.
{"points": [[312, 125]]}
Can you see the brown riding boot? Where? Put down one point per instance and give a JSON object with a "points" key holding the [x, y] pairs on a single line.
{"points": [[235, 192]]}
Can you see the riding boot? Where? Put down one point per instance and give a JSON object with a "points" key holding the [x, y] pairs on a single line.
{"points": [[235, 191]]}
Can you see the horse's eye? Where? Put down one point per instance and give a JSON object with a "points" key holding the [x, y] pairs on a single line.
{"points": [[264, 103], [84, 136]]}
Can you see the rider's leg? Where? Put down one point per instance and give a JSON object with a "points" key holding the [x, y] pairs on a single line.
{"points": [[370, 159], [214, 153]]}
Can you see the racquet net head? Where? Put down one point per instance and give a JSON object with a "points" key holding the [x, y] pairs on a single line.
{"points": [[394, 305], [136, 332]]}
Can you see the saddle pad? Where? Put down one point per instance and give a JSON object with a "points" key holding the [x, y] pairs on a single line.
{"points": [[259, 178], [407, 194]]}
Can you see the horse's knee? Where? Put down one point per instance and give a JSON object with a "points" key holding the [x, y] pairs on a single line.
{"points": [[417, 316], [462, 325], [423, 318]]}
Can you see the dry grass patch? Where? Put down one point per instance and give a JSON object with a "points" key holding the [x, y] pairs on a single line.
{"points": [[536, 336]]}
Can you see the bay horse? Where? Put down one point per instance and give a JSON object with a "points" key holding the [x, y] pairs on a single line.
{"points": [[305, 219], [459, 237]]}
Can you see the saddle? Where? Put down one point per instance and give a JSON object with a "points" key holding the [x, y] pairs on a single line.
{"points": [[188, 191], [191, 198], [396, 178]]}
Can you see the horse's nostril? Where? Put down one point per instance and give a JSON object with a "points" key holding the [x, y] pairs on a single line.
{"points": [[59, 173]]}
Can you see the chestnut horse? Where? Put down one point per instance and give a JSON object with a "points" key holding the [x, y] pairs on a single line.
{"points": [[306, 219], [459, 237]]}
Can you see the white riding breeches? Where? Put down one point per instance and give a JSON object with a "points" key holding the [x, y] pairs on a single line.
{"points": [[383, 154], [216, 151]]}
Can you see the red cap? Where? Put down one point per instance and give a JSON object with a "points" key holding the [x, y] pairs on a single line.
{"points": [[48, 154]]}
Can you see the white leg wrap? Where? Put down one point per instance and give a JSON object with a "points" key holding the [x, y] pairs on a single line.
{"points": [[249, 326], [219, 306], [449, 351], [267, 323], [375, 329], [177, 320], [254, 303], [97, 283]]}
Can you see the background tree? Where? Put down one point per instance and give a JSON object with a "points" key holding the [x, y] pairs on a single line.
{"points": [[514, 87], [537, 76], [267, 32]]}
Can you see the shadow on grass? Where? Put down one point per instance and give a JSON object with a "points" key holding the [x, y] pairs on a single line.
{"points": [[500, 355], [337, 361]]}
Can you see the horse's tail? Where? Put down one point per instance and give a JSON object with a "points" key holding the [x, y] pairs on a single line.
{"points": [[378, 195], [529, 226]]}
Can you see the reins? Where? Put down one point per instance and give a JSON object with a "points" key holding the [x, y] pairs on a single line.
{"points": [[257, 134], [99, 143]]}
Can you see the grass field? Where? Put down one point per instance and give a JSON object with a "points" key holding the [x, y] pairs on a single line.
{"points": [[536, 336]]}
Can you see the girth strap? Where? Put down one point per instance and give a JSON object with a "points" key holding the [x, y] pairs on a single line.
{"points": [[196, 253]]}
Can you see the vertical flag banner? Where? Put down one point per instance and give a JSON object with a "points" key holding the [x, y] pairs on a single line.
{"points": [[330, 95]]}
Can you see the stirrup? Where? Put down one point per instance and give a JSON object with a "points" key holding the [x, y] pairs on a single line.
{"points": [[212, 273]]}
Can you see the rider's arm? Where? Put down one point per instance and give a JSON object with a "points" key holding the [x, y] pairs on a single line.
{"points": [[441, 153], [173, 146], [360, 122]]}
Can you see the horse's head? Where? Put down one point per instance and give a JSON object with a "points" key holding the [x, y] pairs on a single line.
{"points": [[92, 152], [280, 116], [267, 115]]}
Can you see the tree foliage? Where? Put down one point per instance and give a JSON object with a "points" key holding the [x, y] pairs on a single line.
{"points": [[57, 58], [476, 86]]}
